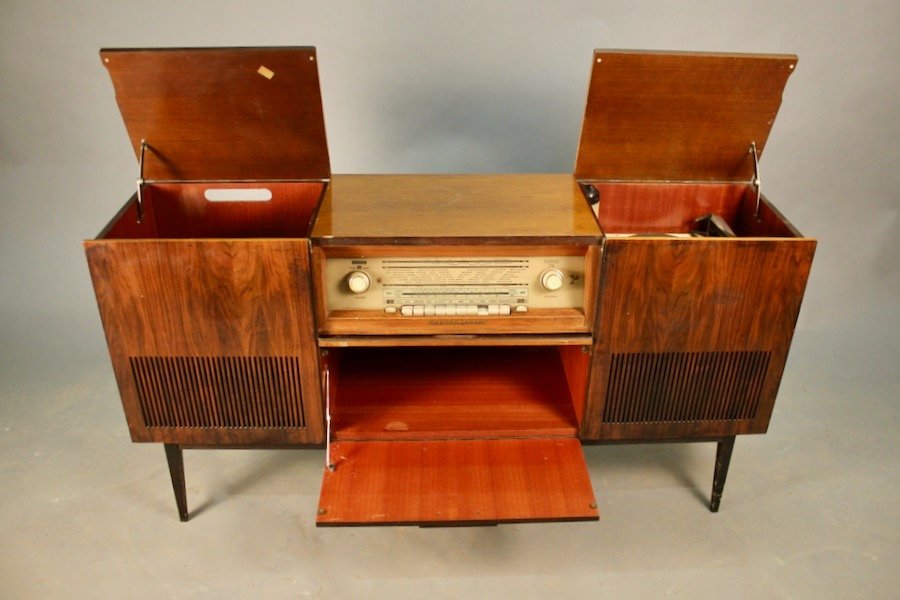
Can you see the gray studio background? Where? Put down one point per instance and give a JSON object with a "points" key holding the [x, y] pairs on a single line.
{"points": [[810, 510]]}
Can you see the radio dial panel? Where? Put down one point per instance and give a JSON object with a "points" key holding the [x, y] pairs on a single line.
{"points": [[493, 286]]}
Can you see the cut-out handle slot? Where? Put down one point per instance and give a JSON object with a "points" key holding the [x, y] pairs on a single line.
{"points": [[238, 194]]}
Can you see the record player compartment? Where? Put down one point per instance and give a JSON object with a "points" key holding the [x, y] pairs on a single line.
{"points": [[653, 208]]}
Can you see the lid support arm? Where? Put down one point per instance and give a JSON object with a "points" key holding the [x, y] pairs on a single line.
{"points": [[756, 182], [140, 183]]}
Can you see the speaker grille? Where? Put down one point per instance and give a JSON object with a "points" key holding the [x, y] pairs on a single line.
{"points": [[232, 392], [684, 386]]}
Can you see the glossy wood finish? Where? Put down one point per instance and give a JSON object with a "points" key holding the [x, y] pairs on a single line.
{"points": [[453, 392], [456, 482], [209, 114], [576, 362], [696, 296], [535, 321], [422, 209], [649, 208], [667, 207], [669, 116], [458, 339], [236, 299], [180, 211]]}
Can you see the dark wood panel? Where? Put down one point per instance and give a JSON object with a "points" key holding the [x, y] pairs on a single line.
{"points": [[715, 295], [451, 392], [460, 481], [701, 294], [209, 114], [669, 116], [206, 298]]}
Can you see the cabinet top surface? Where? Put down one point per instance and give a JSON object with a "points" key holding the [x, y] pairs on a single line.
{"points": [[678, 116], [454, 206], [222, 113]]}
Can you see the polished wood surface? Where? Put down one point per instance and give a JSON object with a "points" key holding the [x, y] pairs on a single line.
{"points": [[222, 113], [769, 222], [180, 211], [129, 223], [647, 208], [667, 116], [244, 299], [663, 296], [456, 482], [576, 362], [452, 393], [502, 208], [455, 339], [668, 207], [535, 321]]}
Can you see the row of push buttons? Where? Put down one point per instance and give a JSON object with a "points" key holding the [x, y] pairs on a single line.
{"points": [[453, 310]]}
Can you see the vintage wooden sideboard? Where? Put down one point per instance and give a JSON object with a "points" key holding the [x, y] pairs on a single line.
{"points": [[448, 342]]}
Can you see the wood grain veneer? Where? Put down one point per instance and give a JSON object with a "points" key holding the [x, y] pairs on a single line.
{"points": [[243, 299], [668, 207], [428, 208], [209, 114], [456, 339], [181, 210], [664, 296], [456, 482], [453, 392], [678, 116]]}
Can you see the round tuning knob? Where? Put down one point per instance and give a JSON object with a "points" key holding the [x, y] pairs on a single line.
{"points": [[552, 279], [358, 282]]}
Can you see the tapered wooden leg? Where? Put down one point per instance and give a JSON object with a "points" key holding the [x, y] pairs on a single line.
{"points": [[176, 470], [723, 459]]}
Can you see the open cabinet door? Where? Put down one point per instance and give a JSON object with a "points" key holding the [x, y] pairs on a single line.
{"points": [[454, 435], [456, 482]]}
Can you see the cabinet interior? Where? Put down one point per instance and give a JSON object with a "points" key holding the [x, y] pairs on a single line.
{"points": [[672, 207], [183, 211], [456, 392]]}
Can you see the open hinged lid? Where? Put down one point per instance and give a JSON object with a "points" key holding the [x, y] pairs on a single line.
{"points": [[666, 116], [222, 114]]}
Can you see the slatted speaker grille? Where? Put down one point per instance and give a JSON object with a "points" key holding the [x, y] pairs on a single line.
{"points": [[234, 392], [684, 386]]}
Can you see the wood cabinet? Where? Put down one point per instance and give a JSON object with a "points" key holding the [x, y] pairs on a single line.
{"points": [[692, 332], [211, 338], [448, 341]]}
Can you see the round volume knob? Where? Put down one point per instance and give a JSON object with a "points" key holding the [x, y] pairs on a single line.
{"points": [[358, 282], [552, 279]]}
